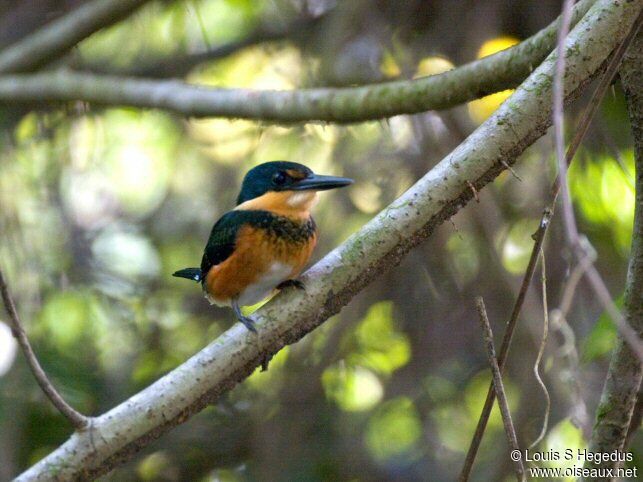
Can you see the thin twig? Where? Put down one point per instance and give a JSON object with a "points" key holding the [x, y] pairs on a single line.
{"points": [[541, 351], [579, 248], [77, 419], [512, 171], [538, 237], [557, 113], [474, 191], [500, 389]]}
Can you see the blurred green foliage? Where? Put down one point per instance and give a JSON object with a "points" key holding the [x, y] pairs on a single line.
{"points": [[100, 205]]}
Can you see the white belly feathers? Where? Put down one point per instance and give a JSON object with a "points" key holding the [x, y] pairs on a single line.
{"points": [[257, 291]]}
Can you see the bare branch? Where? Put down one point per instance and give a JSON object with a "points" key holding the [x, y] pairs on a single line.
{"points": [[500, 389], [56, 38], [501, 71], [77, 419], [538, 237], [331, 283]]}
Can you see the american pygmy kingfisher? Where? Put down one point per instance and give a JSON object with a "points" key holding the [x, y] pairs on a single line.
{"points": [[266, 240]]}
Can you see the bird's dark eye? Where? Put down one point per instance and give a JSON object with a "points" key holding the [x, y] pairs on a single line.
{"points": [[279, 179]]}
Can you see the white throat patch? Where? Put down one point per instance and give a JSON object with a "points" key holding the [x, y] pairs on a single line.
{"points": [[303, 200]]}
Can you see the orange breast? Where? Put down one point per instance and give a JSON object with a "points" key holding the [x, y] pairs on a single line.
{"points": [[256, 250]]}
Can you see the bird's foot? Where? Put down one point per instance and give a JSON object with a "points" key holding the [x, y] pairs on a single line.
{"points": [[295, 283], [248, 323]]}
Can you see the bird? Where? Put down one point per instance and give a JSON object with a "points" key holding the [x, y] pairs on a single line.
{"points": [[264, 243]]}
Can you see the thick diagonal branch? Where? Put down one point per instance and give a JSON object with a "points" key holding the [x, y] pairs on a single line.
{"points": [[331, 283], [623, 382], [56, 38], [501, 71]]}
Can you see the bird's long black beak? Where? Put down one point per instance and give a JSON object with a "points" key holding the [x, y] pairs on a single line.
{"points": [[317, 182]]}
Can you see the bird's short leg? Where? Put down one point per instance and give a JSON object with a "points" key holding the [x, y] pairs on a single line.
{"points": [[295, 283], [247, 322]]}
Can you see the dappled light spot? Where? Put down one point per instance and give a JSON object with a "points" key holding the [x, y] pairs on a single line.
{"points": [[27, 128], [401, 129], [121, 161], [66, 318], [381, 346], [159, 25], [254, 67], [516, 246], [233, 19], [464, 256], [87, 198], [564, 436], [366, 196], [140, 179], [8, 348], [393, 431], [432, 66], [439, 389], [153, 466], [225, 141], [456, 419], [610, 201], [389, 66], [601, 339], [353, 389], [126, 254], [495, 45], [482, 108], [327, 133], [366, 135], [227, 475]]}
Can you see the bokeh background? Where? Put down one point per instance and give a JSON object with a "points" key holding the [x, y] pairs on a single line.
{"points": [[99, 205]]}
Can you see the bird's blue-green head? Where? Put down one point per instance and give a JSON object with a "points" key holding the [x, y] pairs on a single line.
{"points": [[278, 176]]}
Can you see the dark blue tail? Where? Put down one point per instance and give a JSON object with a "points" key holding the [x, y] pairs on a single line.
{"points": [[189, 273]]}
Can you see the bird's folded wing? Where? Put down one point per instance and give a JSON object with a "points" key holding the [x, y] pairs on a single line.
{"points": [[224, 233]]}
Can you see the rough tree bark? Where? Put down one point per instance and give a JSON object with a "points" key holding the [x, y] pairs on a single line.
{"points": [[623, 382], [116, 435]]}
